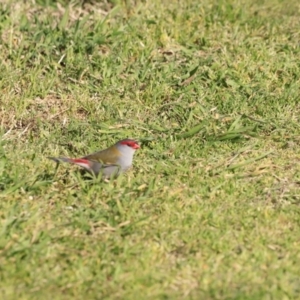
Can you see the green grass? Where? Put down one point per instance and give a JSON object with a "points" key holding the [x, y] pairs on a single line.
{"points": [[211, 208]]}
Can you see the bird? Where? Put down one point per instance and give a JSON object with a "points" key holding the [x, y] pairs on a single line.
{"points": [[108, 163]]}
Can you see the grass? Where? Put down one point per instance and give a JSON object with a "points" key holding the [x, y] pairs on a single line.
{"points": [[211, 208]]}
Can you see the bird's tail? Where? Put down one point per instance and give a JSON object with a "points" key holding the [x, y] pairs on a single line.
{"points": [[61, 159], [82, 162]]}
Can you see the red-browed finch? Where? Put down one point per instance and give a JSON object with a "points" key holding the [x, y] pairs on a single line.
{"points": [[109, 162]]}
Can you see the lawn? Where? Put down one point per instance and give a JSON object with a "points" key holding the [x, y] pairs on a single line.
{"points": [[211, 207]]}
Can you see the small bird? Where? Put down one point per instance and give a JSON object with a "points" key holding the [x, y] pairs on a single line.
{"points": [[110, 162]]}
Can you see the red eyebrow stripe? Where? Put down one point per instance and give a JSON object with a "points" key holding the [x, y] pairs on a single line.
{"points": [[131, 143]]}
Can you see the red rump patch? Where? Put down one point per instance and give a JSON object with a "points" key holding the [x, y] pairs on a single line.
{"points": [[80, 161]]}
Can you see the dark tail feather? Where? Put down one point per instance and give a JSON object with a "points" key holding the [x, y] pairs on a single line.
{"points": [[61, 159]]}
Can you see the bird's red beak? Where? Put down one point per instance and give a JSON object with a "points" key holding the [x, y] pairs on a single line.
{"points": [[136, 146]]}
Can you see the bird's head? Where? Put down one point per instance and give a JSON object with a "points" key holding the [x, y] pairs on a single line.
{"points": [[127, 146]]}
